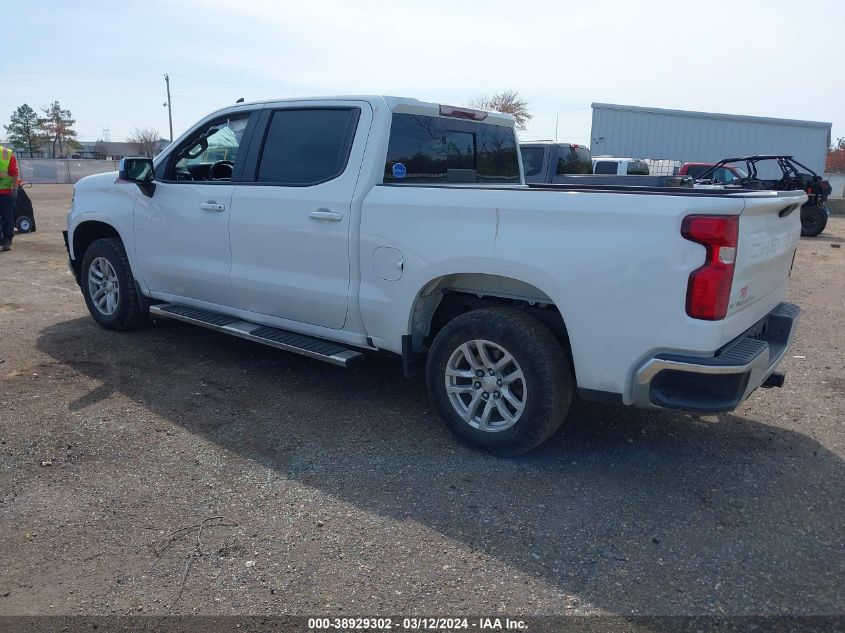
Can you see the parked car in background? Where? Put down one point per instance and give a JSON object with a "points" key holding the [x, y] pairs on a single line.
{"points": [[543, 161], [773, 172], [345, 224], [611, 165], [571, 164]]}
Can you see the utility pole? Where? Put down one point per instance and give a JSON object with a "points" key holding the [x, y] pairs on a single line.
{"points": [[557, 117], [169, 110]]}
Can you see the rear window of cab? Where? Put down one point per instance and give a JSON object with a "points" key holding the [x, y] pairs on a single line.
{"points": [[438, 150]]}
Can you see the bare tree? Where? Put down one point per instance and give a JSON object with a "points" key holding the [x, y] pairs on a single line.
{"points": [[144, 141], [508, 102]]}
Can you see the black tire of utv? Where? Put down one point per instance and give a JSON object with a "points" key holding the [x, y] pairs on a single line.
{"points": [[813, 220], [546, 368], [131, 312]]}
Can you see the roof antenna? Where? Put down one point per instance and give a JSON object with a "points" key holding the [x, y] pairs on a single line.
{"points": [[241, 100]]}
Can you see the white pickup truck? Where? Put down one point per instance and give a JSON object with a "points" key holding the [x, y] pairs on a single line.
{"points": [[333, 226]]}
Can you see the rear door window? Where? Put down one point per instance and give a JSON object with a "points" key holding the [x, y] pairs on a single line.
{"points": [[305, 147], [638, 168], [437, 150], [532, 160], [574, 160]]}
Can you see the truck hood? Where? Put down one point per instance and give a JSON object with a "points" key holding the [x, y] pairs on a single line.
{"points": [[97, 181]]}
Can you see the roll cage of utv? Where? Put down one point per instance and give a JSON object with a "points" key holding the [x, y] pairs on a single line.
{"points": [[794, 176]]}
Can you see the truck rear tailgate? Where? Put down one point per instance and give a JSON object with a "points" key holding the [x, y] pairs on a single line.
{"points": [[769, 230]]}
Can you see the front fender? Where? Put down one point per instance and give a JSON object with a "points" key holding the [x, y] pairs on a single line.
{"points": [[104, 199]]}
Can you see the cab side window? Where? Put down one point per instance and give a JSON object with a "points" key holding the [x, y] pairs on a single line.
{"points": [[211, 152]]}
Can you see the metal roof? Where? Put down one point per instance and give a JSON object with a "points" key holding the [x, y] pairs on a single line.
{"points": [[713, 115]]}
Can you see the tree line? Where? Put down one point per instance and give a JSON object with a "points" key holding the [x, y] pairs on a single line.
{"points": [[28, 130], [53, 130]]}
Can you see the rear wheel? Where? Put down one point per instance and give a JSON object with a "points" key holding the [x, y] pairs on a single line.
{"points": [[500, 380], [109, 287], [813, 220]]}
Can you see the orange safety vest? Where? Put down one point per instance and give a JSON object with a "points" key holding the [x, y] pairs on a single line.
{"points": [[6, 180]]}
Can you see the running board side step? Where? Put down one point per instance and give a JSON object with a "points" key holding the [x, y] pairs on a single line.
{"points": [[274, 337]]}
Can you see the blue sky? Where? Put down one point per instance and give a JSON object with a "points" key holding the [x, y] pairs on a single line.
{"points": [[105, 60]]}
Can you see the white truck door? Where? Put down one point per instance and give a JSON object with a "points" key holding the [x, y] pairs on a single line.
{"points": [[182, 231], [291, 217]]}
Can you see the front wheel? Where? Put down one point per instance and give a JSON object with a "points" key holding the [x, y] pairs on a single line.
{"points": [[109, 287], [500, 380], [813, 220]]}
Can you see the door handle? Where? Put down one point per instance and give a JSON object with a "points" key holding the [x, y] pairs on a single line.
{"points": [[326, 215], [211, 205]]}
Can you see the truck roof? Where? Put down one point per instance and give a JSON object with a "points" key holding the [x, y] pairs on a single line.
{"points": [[526, 143], [395, 104]]}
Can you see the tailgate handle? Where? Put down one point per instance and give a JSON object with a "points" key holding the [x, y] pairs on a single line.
{"points": [[787, 210]]}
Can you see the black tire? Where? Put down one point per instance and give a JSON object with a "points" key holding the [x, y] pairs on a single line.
{"points": [[24, 224], [131, 311], [548, 383], [813, 220]]}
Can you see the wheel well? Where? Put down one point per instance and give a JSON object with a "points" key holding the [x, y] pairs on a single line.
{"points": [[84, 235], [448, 297]]}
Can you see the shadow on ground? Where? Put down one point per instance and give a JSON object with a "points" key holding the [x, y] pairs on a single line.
{"points": [[634, 512]]}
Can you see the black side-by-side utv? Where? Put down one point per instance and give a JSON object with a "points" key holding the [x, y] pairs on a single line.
{"points": [[793, 175]]}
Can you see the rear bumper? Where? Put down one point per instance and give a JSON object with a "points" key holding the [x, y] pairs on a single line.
{"points": [[722, 381]]}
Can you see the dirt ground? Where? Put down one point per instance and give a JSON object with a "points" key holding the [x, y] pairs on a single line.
{"points": [[323, 490]]}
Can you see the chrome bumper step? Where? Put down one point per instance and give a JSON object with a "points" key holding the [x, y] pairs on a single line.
{"points": [[309, 346]]}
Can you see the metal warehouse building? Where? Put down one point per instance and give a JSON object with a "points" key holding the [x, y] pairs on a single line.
{"points": [[630, 131]]}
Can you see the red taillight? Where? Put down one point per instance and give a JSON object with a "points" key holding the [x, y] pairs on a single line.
{"points": [[709, 290]]}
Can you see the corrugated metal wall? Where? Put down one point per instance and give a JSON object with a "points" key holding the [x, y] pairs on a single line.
{"points": [[628, 131]]}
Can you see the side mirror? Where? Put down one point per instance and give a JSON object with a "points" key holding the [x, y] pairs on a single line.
{"points": [[140, 171]]}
